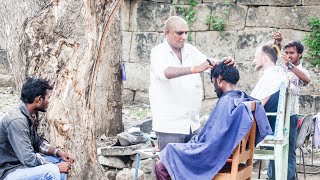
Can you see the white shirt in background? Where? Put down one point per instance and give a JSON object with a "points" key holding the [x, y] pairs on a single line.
{"points": [[269, 83]]}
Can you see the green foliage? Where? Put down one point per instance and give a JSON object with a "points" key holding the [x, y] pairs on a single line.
{"points": [[188, 13], [312, 41], [216, 24]]}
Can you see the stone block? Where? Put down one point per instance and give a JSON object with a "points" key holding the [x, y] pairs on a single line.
{"points": [[112, 162], [290, 35], [126, 46], [296, 17], [129, 174], [249, 39], [310, 2], [201, 12], [269, 2], [142, 157], [182, 2], [149, 16], [248, 77], [313, 87], [127, 96], [111, 175], [137, 76], [146, 165], [309, 104], [212, 44], [125, 15], [233, 15], [2, 42], [141, 97], [162, 1], [121, 150], [141, 46], [6, 80], [208, 87], [218, 1]]}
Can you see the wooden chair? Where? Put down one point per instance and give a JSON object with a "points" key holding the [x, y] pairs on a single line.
{"points": [[239, 165]]}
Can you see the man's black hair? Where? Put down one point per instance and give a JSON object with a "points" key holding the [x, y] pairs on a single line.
{"points": [[34, 87], [296, 44], [228, 73]]}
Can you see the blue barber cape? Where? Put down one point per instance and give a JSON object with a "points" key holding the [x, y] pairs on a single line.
{"points": [[205, 154]]}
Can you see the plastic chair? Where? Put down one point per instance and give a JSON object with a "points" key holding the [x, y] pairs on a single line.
{"points": [[304, 132]]}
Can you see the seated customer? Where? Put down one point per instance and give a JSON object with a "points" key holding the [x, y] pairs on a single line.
{"points": [[205, 154]]}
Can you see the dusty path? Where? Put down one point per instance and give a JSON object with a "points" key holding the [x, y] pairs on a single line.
{"points": [[8, 99]]}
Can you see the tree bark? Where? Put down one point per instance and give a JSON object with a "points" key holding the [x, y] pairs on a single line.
{"points": [[77, 46]]}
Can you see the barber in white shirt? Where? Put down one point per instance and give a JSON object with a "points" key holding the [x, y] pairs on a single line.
{"points": [[176, 90]]}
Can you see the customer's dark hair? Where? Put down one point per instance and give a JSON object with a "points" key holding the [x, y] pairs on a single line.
{"points": [[296, 44], [34, 87], [271, 51], [228, 73]]}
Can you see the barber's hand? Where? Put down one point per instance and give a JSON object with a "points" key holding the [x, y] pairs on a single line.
{"points": [[204, 66], [67, 157], [285, 59], [64, 167], [230, 61]]}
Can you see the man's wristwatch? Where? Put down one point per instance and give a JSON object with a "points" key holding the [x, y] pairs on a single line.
{"points": [[290, 65]]}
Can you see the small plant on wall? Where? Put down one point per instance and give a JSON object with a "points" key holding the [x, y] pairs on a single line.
{"points": [[312, 41], [217, 24]]}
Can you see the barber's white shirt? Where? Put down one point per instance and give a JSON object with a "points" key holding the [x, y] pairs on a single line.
{"points": [[269, 83], [175, 103]]}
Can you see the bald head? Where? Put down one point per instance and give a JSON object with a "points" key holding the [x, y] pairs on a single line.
{"points": [[173, 22]]}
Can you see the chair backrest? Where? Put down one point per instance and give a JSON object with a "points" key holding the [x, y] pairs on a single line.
{"points": [[242, 157], [304, 130], [283, 113]]}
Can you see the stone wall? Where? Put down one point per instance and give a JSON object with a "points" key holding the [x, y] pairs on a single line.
{"points": [[248, 24], [6, 77]]}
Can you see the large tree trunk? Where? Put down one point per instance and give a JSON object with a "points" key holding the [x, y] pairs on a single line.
{"points": [[76, 44]]}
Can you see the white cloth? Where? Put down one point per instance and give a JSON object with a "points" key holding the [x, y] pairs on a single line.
{"points": [[175, 103], [295, 85], [269, 83]]}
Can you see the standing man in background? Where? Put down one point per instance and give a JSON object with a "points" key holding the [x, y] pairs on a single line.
{"points": [[299, 77], [175, 90]]}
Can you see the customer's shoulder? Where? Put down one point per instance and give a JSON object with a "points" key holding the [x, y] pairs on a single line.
{"points": [[14, 115]]}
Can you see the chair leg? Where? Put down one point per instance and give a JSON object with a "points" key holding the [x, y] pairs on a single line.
{"points": [[304, 166], [259, 174]]}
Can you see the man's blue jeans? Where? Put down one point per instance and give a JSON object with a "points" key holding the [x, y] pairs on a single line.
{"points": [[43, 172], [292, 151]]}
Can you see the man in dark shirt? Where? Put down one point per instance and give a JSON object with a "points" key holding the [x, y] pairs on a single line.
{"points": [[25, 155]]}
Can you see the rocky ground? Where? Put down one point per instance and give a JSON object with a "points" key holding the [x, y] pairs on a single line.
{"points": [[8, 98], [139, 115]]}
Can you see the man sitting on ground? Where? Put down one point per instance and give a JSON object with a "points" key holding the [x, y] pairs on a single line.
{"points": [[205, 154], [20, 145]]}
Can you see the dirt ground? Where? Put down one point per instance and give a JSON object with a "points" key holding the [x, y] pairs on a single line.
{"points": [[135, 114], [311, 169]]}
